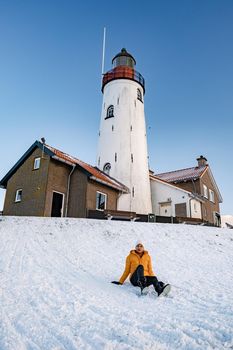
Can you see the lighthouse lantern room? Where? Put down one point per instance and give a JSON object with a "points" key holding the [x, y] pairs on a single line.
{"points": [[122, 145]]}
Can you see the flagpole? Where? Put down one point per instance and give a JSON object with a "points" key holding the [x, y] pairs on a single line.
{"points": [[103, 54]]}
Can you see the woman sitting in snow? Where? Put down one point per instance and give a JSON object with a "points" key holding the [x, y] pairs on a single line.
{"points": [[138, 265]]}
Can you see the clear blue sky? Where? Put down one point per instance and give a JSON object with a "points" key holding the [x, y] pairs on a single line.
{"points": [[50, 66]]}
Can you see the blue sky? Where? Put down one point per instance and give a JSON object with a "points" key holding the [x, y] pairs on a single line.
{"points": [[50, 69]]}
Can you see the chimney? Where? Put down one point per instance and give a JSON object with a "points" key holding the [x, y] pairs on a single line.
{"points": [[202, 161]]}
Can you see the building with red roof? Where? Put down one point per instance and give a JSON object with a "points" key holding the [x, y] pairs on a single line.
{"points": [[48, 182]]}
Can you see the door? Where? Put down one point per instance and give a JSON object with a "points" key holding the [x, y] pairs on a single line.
{"points": [[57, 204], [217, 219], [166, 209], [181, 210]]}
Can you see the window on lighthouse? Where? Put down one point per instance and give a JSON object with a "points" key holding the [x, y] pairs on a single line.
{"points": [[139, 95], [107, 168], [110, 112]]}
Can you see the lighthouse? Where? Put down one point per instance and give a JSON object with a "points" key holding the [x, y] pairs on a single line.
{"points": [[122, 144]]}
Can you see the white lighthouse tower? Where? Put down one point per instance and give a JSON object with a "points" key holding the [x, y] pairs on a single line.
{"points": [[122, 145]]}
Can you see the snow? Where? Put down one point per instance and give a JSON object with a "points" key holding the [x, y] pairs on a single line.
{"points": [[55, 291], [228, 219]]}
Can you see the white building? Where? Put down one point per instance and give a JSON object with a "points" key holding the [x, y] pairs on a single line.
{"points": [[122, 145], [171, 200]]}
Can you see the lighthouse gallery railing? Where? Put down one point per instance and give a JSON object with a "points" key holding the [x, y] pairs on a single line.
{"points": [[123, 73]]}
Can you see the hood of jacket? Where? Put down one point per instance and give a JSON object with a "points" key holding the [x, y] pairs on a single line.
{"points": [[133, 251]]}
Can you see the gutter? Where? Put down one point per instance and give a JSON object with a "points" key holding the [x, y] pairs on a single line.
{"points": [[190, 210], [197, 197]]}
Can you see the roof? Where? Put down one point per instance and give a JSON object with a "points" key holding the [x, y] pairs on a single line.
{"points": [[95, 173], [182, 175], [124, 53], [189, 174], [92, 172]]}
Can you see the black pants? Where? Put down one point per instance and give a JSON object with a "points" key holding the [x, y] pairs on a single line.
{"points": [[139, 280]]}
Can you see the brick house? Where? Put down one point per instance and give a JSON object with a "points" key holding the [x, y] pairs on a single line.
{"points": [[200, 181], [48, 182]]}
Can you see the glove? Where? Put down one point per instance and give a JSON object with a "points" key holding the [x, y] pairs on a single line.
{"points": [[116, 282]]}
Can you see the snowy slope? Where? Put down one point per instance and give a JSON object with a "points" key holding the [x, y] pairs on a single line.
{"points": [[55, 291], [228, 219]]}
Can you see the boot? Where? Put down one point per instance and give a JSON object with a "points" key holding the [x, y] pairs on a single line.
{"points": [[165, 290]]}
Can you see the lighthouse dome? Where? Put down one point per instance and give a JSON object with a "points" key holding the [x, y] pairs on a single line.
{"points": [[123, 58]]}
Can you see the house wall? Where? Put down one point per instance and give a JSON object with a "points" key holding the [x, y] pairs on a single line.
{"points": [[33, 184], [161, 192], [78, 195], [52, 176], [208, 207], [93, 187], [57, 181], [191, 186], [196, 211], [82, 194]]}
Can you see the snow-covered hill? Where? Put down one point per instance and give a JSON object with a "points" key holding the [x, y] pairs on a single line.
{"points": [[228, 219], [55, 290]]}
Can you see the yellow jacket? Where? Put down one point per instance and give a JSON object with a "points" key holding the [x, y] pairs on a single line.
{"points": [[132, 262]]}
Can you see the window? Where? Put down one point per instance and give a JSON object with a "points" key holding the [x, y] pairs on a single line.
{"points": [[139, 95], [110, 112], [18, 195], [205, 191], [107, 168], [101, 201], [211, 195], [115, 157], [36, 163]]}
